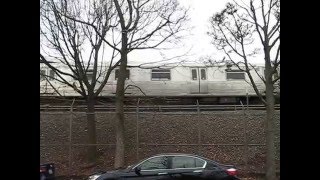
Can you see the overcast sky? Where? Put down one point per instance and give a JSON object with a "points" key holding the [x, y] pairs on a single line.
{"points": [[197, 43]]}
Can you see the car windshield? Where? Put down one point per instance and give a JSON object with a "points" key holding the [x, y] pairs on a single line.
{"points": [[129, 167], [134, 165]]}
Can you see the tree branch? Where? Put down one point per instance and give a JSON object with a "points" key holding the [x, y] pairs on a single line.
{"points": [[264, 81], [130, 85]]}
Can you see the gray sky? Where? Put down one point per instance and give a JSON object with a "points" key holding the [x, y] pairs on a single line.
{"points": [[197, 42]]}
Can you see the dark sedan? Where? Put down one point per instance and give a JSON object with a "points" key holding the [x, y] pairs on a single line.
{"points": [[173, 166], [47, 171]]}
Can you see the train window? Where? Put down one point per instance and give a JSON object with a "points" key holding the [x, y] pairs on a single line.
{"points": [[235, 75], [52, 74], [116, 74], [89, 74], [203, 74], [160, 74], [194, 74], [42, 74]]}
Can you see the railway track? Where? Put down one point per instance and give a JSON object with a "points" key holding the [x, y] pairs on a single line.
{"points": [[159, 108]]}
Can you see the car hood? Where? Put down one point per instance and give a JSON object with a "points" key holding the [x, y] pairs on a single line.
{"points": [[111, 172]]}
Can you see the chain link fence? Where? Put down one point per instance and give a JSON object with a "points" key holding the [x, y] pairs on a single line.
{"points": [[232, 137]]}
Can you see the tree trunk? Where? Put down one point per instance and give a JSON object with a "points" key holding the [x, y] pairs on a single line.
{"points": [[271, 174], [270, 125], [91, 125], [120, 141]]}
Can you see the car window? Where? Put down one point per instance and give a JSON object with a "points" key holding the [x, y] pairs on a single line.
{"points": [[155, 163], [199, 162], [211, 166], [186, 162]]}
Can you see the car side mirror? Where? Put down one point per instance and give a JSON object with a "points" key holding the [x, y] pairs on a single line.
{"points": [[137, 170]]}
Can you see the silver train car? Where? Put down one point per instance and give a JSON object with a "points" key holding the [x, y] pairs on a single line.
{"points": [[225, 84]]}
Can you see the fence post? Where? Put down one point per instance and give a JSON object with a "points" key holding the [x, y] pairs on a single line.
{"points": [[70, 138], [246, 147], [247, 100], [246, 141], [199, 128], [137, 130]]}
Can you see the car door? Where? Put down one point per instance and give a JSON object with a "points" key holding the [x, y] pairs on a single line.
{"points": [[152, 168], [186, 167]]}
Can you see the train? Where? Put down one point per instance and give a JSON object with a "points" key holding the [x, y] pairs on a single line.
{"points": [[215, 84]]}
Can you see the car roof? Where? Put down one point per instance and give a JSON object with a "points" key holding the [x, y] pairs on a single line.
{"points": [[173, 154], [183, 154], [176, 154]]}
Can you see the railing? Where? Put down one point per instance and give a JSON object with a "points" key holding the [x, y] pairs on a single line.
{"points": [[160, 108]]}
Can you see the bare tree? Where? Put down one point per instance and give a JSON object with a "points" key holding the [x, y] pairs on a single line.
{"points": [[143, 24], [138, 25], [75, 51], [234, 31]]}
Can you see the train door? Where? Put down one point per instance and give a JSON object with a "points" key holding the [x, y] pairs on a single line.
{"points": [[199, 84]]}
